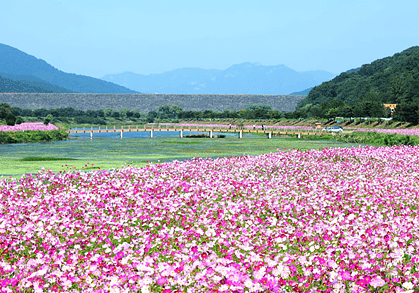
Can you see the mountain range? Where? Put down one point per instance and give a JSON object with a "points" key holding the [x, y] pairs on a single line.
{"points": [[244, 78], [21, 72]]}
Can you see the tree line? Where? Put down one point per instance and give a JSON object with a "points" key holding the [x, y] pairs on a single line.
{"points": [[165, 112], [370, 106]]}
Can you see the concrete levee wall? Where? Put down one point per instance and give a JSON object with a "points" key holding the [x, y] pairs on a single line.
{"points": [[147, 102]]}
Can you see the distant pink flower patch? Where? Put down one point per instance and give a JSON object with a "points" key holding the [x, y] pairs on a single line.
{"points": [[29, 126], [391, 131], [226, 126]]}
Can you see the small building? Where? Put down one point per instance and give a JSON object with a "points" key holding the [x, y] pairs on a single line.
{"points": [[392, 107]]}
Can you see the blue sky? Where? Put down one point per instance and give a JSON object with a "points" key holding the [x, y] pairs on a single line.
{"points": [[98, 37]]}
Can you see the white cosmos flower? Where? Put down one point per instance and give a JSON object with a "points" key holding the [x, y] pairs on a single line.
{"points": [[147, 280], [248, 283], [246, 247], [142, 267], [124, 261], [408, 285]]}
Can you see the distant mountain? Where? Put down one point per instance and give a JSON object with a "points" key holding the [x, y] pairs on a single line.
{"points": [[245, 78], [17, 65], [302, 93]]}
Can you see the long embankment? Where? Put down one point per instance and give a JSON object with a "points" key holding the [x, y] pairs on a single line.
{"points": [[147, 102]]}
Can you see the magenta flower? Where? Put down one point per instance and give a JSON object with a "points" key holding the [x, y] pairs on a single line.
{"points": [[161, 281]]}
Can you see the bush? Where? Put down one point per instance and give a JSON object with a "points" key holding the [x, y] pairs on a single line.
{"points": [[19, 120], [32, 136], [10, 119], [48, 119]]}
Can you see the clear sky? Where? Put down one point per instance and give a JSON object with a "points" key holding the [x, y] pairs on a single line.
{"points": [[98, 37]]}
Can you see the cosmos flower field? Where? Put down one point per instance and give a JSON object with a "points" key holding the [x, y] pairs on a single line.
{"points": [[272, 127], [38, 126], [414, 131], [331, 220]]}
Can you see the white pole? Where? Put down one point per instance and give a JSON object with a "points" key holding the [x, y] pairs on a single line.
{"points": [[151, 133], [181, 133]]}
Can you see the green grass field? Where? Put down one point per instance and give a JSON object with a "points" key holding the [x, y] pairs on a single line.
{"points": [[106, 153]]}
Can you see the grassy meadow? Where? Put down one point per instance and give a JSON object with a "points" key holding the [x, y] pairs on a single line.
{"points": [[105, 153]]}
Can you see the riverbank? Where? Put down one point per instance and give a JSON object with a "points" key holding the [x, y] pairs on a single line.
{"points": [[371, 138]]}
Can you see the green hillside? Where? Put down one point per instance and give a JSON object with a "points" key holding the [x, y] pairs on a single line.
{"points": [[393, 79], [24, 66], [18, 85]]}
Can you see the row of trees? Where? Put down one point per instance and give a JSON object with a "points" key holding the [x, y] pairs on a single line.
{"points": [[71, 113], [250, 112], [369, 106], [164, 112]]}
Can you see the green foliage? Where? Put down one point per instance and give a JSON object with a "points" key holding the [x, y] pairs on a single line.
{"points": [[151, 116], [10, 119], [407, 113], [36, 159], [42, 112], [372, 138], [168, 112], [165, 112], [32, 136], [19, 120], [257, 111], [7, 113], [48, 119], [5, 110], [123, 113], [89, 120], [108, 112]]}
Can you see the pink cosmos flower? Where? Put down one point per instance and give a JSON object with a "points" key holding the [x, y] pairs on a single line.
{"points": [[161, 281], [377, 282], [346, 276]]}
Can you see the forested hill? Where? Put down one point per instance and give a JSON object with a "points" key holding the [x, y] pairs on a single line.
{"points": [[17, 85], [392, 79]]}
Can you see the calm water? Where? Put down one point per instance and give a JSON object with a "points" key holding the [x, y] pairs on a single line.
{"points": [[145, 134]]}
